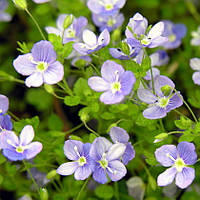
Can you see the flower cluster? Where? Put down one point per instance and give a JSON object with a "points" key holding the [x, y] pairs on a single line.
{"points": [[102, 158]]}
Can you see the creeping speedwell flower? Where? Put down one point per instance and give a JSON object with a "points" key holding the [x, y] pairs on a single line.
{"points": [[5, 17], [163, 101], [15, 148], [195, 41], [40, 65], [91, 42], [178, 159], [106, 160], [81, 161], [119, 135], [195, 65], [115, 82]]}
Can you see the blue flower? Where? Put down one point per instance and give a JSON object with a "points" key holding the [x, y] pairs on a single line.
{"points": [[195, 41], [195, 65], [21, 148], [106, 157], [81, 161], [5, 17]]}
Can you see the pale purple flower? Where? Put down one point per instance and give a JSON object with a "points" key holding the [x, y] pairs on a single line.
{"points": [[4, 104], [91, 42], [81, 161], [41, 1], [106, 7], [21, 148], [5, 123], [195, 65], [110, 22], [85, 59], [156, 72], [115, 82], [178, 159], [159, 58], [138, 25], [106, 161], [40, 65], [4, 17], [119, 135], [73, 32], [163, 101], [174, 33], [134, 49], [195, 41]]}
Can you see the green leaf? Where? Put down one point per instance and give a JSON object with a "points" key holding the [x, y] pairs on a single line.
{"points": [[92, 137], [19, 125], [146, 63], [55, 123], [183, 123], [150, 159], [107, 115], [75, 137], [72, 100], [187, 136], [142, 121], [104, 191], [23, 47], [152, 182], [67, 49]]}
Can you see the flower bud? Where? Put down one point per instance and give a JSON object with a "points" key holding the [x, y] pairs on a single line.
{"points": [[125, 48], [51, 174], [43, 194], [21, 4], [68, 21], [166, 90], [49, 88]]}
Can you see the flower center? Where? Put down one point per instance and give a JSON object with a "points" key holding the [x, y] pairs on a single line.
{"points": [[163, 102], [172, 38], [19, 149], [103, 162], [179, 164], [116, 86], [109, 6], [145, 41], [70, 33], [1, 111], [41, 66], [111, 22], [82, 161]]}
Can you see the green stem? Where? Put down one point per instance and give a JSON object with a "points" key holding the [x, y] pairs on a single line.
{"points": [[116, 191], [55, 185], [13, 116], [33, 180], [82, 188], [188, 107], [37, 25], [91, 129], [174, 132], [152, 79], [74, 129], [193, 10], [67, 89], [161, 124]]}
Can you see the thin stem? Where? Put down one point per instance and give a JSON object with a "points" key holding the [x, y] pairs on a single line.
{"points": [[55, 95], [161, 125], [33, 180], [34, 20], [174, 132], [116, 191], [193, 10], [188, 107], [152, 79], [74, 129], [55, 185], [91, 129], [13, 116], [67, 89], [82, 188]]}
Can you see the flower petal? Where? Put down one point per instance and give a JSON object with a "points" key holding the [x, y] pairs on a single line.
{"points": [[187, 152], [174, 102], [109, 98], [4, 104], [54, 73], [5, 122], [26, 135], [129, 154], [156, 30], [89, 38], [117, 170], [23, 64], [33, 149], [43, 51], [156, 72], [115, 151], [99, 146], [98, 84], [9, 140], [52, 30], [157, 42], [162, 155], [118, 135], [11, 154], [34, 80], [185, 178], [104, 38], [72, 149], [67, 168], [127, 80], [166, 177], [109, 70], [146, 95], [82, 172], [154, 112], [196, 78], [99, 175], [195, 63]]}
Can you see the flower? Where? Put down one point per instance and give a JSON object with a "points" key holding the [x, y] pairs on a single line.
{"points": [[4, 17], [72, 33], [115, 82], [195, 65], [21, 148], [156, 72], [178, 160], [163, 101], [195, 41], [79, 154], [106, 7], [119, 135], [136, 31], [159, 58], [41, 1], [174, 33], [91, 42], [106, 160], [40, 65], [110, 22], [5, 123], [4, 104]]}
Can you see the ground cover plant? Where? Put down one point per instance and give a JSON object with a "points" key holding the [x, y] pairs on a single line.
{"points": [[99, 99]]}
